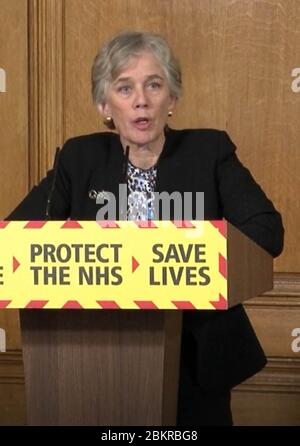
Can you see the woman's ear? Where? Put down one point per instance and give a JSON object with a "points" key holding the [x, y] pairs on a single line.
{"points": [[102, 109], [172, 103]]}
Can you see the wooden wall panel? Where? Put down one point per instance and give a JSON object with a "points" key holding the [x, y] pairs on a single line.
{"points": [[276, 315], [14, 184], [9, 321], [14, 126], [46, 78], [12, 391], [274, 327], [257, 408], [272, 397], [13, 104]]}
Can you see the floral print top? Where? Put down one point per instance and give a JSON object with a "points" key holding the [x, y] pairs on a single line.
{"points": [[141, 187]]}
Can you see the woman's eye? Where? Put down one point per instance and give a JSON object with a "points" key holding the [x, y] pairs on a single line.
{"points": [[154, 85], [124, 89]]}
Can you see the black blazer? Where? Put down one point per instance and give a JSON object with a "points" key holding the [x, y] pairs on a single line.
{"points": [[220, 346]]}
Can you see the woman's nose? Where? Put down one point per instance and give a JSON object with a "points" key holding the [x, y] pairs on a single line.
{"points": [[140, 99]]}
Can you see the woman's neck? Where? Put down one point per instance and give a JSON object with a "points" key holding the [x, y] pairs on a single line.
{"points": [[144, 156]]}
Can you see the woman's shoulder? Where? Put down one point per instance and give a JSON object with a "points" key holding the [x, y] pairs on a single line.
{"points": [[93, 145], [203, 140], [97, 140], [199, 133]]}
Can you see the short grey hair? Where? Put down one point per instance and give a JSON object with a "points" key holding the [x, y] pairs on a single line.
{"points": [[115, 54]]}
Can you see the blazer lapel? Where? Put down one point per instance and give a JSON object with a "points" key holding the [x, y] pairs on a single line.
{"points": [[169, 166], [107, 177]]}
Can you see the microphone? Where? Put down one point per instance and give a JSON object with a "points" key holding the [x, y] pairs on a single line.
{"points": [[125, 164], [49, 199], [124, 198]]}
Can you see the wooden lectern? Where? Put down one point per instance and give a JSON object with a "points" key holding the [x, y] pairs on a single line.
{"points": [[112, 367]]}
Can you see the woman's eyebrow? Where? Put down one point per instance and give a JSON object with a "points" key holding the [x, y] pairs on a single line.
{"points": [[155, 76], [127, 79], [122, 79]]}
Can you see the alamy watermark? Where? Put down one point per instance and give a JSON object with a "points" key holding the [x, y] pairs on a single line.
{"points": [[295, 85], [296, 342], [2, 81], [2, 340], [164, 206]]}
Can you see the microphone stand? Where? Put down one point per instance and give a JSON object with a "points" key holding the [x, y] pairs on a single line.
{"points": [[49, 199]]}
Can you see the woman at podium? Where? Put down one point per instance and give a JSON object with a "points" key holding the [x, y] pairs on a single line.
{"points": [[136, 86]]}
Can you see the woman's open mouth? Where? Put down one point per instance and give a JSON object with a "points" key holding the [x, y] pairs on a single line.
{"points": [[142, 123]]}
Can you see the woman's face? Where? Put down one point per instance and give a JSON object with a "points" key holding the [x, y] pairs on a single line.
{"points": [[138, 101]]}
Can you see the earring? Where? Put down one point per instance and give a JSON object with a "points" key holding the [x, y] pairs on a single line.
{"points": [[108, 119], [170, 113]]}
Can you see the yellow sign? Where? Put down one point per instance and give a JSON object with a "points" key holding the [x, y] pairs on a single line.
{"points": [[105, 265]]}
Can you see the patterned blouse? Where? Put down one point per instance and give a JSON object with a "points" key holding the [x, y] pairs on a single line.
{"points": [[141, 187]]}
